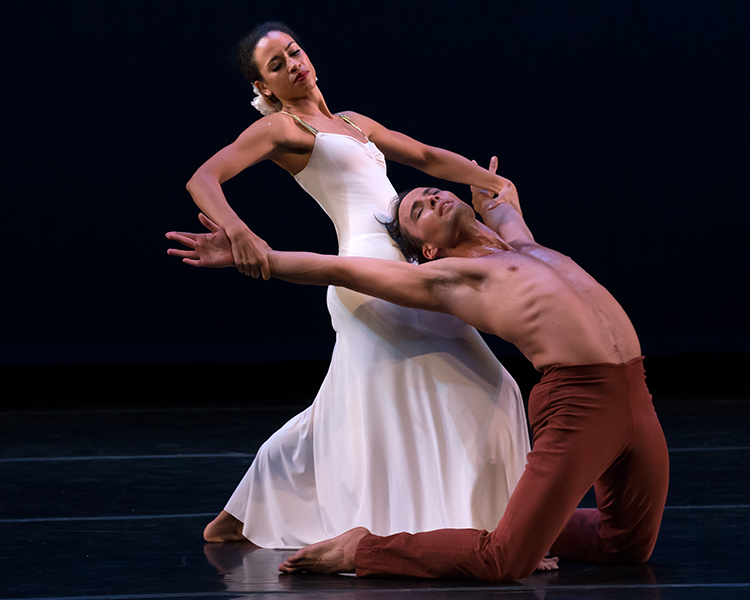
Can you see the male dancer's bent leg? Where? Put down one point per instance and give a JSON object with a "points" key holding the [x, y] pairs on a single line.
{"points": [[587, 422], [630, 495]]}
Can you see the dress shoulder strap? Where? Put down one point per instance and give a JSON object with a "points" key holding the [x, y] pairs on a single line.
{"points": [[310, 128], [352, 123]]}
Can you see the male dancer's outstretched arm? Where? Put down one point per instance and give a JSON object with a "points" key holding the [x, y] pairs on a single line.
{"points": [[429, 286]]}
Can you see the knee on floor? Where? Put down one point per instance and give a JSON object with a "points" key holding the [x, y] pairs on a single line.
{"points": [[634, 552]]}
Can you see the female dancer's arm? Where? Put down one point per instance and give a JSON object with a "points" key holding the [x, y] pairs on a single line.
{"points": [[264, 139], [434, 161]]}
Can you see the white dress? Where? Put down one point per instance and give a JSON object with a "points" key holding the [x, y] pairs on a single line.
{"points": [[417, 426]]}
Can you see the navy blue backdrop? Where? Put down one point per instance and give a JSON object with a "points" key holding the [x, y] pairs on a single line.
{"points": [[623, 124]]}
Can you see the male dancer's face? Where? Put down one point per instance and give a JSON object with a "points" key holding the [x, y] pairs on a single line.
{"points": [[436, 217]]}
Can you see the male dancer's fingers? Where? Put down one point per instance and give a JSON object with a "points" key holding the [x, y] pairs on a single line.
{"points": [[182, 253], [208, 223], [183, 237], [548, 563], [189, 257]]}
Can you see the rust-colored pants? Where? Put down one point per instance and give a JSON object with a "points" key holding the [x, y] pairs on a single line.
{"points": [[593, 425]]}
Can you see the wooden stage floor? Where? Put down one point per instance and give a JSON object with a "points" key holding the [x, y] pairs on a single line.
{"points": [[110, 504]]}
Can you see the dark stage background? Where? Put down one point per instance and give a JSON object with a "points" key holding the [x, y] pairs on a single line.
{"points": [[624, 126]]}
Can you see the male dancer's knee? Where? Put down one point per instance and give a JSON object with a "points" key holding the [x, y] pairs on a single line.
{"points": [[588, 538], [630, 550]]}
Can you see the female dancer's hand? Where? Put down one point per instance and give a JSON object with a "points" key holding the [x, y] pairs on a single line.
{"points": [[249, 252]]}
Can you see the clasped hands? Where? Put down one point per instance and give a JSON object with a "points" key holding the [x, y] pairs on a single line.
{"points": [[484, 200], [216, 250]]}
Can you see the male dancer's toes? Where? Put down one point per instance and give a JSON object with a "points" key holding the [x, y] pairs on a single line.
{"points": [[328, 557], [224, 528], [548, 564]]}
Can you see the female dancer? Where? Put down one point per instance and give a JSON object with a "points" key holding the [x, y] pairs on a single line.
{"points": [[417, 426]]}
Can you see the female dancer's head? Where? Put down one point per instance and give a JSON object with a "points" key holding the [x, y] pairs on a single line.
{"points": [[272, 58]]}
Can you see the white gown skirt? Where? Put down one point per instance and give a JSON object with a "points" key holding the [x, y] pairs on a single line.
{"points": [[417, 426]]}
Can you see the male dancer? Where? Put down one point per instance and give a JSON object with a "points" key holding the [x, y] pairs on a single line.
{"points": [[591, 414]]}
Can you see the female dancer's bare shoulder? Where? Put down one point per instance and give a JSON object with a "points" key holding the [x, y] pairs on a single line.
{"points": [[278, 131], [273, 137]]}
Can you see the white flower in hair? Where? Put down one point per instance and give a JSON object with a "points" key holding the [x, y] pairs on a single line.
{"points": [[261, 103]]}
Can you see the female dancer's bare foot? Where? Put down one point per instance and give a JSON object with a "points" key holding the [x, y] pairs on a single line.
{"points": [[224, 528], [548, 564], [330, 556]]}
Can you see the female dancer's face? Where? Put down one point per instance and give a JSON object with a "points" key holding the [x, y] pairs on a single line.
{"points": [[286, 70]]}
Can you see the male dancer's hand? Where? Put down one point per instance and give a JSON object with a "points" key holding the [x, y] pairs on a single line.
{"points": [[548, 563], [485, 200], [206, 249]]}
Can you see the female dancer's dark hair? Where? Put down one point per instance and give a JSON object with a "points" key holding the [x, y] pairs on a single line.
{"points": [[245, 52]]}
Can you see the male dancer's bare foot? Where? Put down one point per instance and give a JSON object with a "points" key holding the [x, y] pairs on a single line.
{"points": [[224, 528], [330, 556], [548, 564]]}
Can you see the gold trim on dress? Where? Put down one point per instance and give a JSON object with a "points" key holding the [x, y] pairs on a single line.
{"points": [[310, 128], [314, 131]]}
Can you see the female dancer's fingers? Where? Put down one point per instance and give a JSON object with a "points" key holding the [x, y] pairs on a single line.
{"points": [[240, 260], [265, 270], [256, 266]]}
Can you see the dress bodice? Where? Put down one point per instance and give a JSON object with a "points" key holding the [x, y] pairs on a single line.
{"points": [[348, 179]]}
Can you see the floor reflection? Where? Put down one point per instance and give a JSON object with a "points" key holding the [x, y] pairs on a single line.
{"points": [[243, 567]]}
